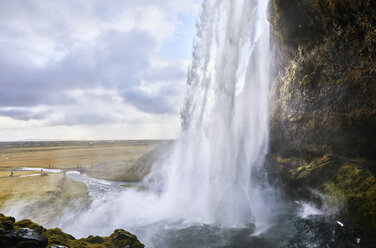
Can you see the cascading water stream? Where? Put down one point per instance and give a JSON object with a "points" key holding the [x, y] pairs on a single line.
{"points": [[212, 191], [213, 175], [225, 118]]}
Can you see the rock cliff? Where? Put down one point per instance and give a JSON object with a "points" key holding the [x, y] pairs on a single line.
{"points": [[323, 120]]}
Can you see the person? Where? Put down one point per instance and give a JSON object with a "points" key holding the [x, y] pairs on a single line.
{"points": [[11, 174]]}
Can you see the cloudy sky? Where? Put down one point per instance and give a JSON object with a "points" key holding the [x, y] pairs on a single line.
{"points": [[114, 69]]}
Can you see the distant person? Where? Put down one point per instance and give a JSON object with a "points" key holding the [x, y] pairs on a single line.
{"points": [[11, 174]]}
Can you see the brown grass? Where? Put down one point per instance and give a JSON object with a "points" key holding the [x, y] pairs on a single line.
{"points": [[33, 186], [66, 156], [42, 197], [45, 197], [16, 174]]}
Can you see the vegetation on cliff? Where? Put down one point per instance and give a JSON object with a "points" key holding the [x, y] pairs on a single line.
{"points": [[340, 186], [324, 114], [326, 92], [25, 233]]}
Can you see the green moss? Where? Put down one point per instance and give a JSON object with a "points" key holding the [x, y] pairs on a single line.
{"points": [[6, 223], [305, 80], [119, 238], [95, 240], [26, 224], [326, 70], [316, 171], [57, 236], [347, 185], [358, 186], [324, 97]]}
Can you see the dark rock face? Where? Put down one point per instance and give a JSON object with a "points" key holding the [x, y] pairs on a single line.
{"points": [[123, 239], [24, 237], [326, 93], [12, 235], [323, 121], [26, 234]]}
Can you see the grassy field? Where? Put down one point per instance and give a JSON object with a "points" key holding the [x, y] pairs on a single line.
{"points": [[43, 197], [5, 174], [85, 154], [34, 186]]}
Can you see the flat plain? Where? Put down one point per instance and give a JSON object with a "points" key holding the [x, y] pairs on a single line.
{"points": [[33, 192], [71, 154]]}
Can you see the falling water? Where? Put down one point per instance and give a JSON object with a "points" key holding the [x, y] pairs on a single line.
{"points": [[211, 191], [214, 175], [225, 118]]}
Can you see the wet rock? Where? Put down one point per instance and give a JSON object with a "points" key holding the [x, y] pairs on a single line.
{"points": [[95, 240], [323, 120], [28, 234], [24, 237], [341, 187], [325, 92], [123, 239]]}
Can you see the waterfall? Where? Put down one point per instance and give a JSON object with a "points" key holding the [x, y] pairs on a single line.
{"points": [[225, 117], [214, 174]]}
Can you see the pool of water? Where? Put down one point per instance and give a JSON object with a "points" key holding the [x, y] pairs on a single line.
{"points": [[289, 231], [298, 225]]}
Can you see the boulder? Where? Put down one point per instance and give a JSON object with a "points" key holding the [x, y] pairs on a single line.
{"points": [[27, 234], [24, 237]]}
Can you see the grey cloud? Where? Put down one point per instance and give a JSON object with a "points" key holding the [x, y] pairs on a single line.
{"points": [[125, 56], [31, 98], [24, 114], [84, 119], [116, 60], [148, 103]]}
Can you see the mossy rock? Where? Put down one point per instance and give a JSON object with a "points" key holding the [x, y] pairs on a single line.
{"points": [[6, 223], [344, 184], [95, 240], [123, 239], [325, 92], [57, 238], [26, 224]]}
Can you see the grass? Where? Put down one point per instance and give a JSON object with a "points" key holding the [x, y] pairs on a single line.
{"points": [[45, 196], [17, 173], [66, 155], [116, 171], [29, 185], [42, 197], [37, 187]]}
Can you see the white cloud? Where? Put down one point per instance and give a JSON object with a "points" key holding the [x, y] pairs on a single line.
{"points": [[85, 65]]}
